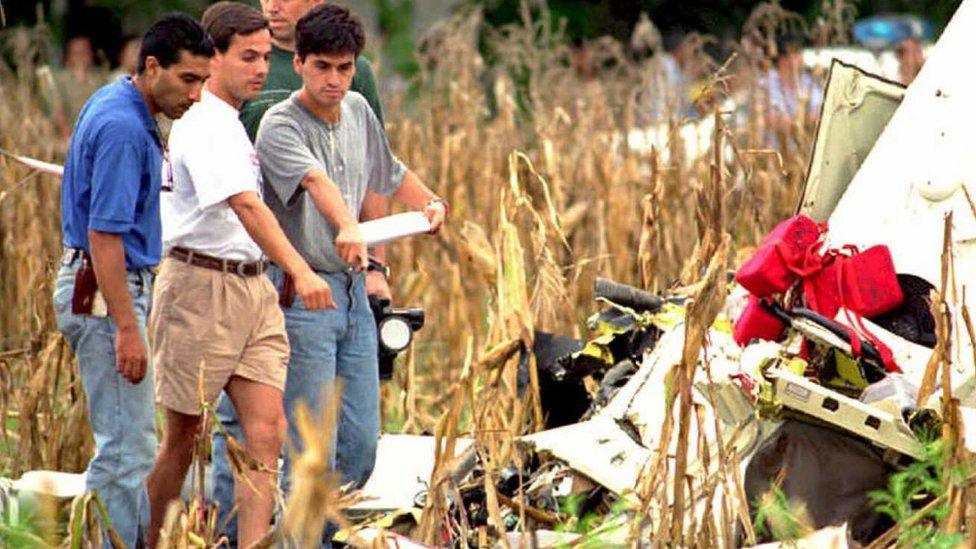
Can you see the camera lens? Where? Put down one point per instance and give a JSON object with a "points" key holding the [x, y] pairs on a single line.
{"points": [[395, 333]]}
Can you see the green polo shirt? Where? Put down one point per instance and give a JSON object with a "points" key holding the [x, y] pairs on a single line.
{"points": [[283, 80]]}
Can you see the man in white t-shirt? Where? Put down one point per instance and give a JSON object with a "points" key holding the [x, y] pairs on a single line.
{"points": [[216, 324]]}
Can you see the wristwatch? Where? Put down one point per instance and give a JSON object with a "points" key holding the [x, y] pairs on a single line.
{"points": [[377, 265], [437, 199]]}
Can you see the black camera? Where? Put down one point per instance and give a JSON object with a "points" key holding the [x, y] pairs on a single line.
{"points": [[394, 330]]}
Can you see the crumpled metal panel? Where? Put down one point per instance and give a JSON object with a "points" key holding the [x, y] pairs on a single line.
{"points": [[920, 169], [857, 107], [613, 446], [404, 464], [597, 448]]}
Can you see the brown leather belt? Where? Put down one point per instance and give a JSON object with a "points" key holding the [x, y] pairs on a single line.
{"points": [[232, 266]]}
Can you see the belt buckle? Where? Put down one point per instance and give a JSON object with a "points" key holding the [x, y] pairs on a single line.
{"points": [[241, 266]]}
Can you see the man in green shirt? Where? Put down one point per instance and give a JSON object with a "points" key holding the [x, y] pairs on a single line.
{"points": [[283, 15]]}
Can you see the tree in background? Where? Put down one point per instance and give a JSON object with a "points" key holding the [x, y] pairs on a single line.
{"points": [[106, 21], [396, 26], [721, 18]]}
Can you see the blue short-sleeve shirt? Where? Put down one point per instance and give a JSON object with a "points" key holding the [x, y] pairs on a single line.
{"points": [[113, 173]]}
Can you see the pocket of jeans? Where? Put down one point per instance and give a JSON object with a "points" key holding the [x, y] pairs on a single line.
{"points": [[62, 308], [63, 290], [70, 325], [62, 299], [141, 301]]}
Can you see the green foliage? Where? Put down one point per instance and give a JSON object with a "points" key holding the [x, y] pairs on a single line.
{"points": [[19, 526], [776, 517], [394, 421], [597, 529], [572, 507], [913, 484], [19, 536], [154, 8], [589, 18], [29, 520], [909, 490], [396, 25]]}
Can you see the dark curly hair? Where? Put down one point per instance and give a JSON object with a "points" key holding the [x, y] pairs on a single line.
{"points": [[170, 35], [329, 29]]}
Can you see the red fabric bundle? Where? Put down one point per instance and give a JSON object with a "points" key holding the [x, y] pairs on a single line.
{"points": [[756, 322], [822, 289], [865, 283], [787, 253], [870, 282]]}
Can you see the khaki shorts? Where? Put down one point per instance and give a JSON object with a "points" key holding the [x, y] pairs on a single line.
{"points": [[221, 323]]}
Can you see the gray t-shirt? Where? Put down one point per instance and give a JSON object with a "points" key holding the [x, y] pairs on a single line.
{"points": [[354, 153]]}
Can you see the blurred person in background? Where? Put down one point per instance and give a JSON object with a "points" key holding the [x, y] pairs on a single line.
{"points": [[793, 96], [128, 58], [75, 83], [581, 58], [910, 59], [675, 58], [682, 66], [671, 95]]}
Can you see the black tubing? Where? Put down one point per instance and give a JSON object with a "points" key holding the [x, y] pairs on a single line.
{"points": [[625, 295], [875, 370]]}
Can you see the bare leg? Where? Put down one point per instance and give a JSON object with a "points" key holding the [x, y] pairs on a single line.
{"points": [[172, 462], [261, 411]]}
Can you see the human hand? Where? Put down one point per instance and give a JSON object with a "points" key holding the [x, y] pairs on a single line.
{"points": [[436, 213], [131, 355], [315, 292], [352, 247], [377, 284]]}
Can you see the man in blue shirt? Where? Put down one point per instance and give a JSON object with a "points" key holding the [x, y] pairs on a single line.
{"points": [[112, 237]]}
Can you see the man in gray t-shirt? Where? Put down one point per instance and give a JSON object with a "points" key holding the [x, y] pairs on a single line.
{"points": [[353, 152], [323, 152]]}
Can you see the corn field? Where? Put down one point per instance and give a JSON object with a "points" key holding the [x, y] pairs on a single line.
{"points": [[546, 196]]}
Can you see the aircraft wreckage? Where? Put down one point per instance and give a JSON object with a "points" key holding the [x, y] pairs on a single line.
{"points": [[822, 402]]}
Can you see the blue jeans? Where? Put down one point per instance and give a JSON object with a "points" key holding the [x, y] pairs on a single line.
{"points": [[325, 344], [122, 415]]}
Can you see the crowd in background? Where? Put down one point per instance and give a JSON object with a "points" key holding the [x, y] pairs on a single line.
{"points": [[66, 89], [790, 89]]}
